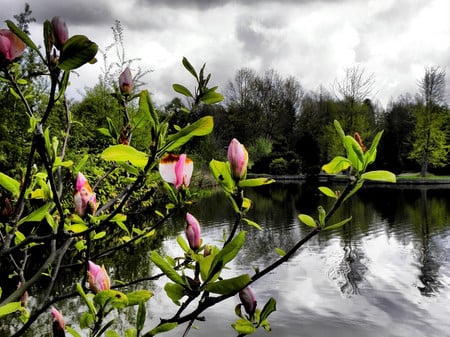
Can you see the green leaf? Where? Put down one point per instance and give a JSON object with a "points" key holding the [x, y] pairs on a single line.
{"points": [[229, 286], [88, 301], [37, 215], [205, 267], [371, 154], [138, 296], [124, 153], [166, 268], [336, 165], [252, 223], [174, 291], [131, 332], [99, 235], [338, 225], [269, 307], [140, 317], [77, 228], [255, 182], [355, 189], [201, 127], [380, 175], [211, 97], [19, 237], [86, 320], [77, 50], [280, 251], [189, 67], [328, 192], [181, 89], [307, 220], [183, 244], [111, 333], [76, 334], [115, 298], [10, 184], [243, 326], [357, 150], [9, 308], [147, 108], [221, 172], [227, 254], [105, 132], [164, 327]]}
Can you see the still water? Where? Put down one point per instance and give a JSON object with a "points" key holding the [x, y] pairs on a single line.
{"points": [[385, 274]]}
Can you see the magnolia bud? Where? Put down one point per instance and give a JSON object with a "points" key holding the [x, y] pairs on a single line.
{"points": [[238, 158], [126, 82], [192, 232], [60, 31], [84, 198], [11, 46], [248, 300], [98, 278], [58, 324]]}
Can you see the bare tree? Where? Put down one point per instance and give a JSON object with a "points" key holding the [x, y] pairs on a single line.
{"points": [[432, 86], [355, 86]]}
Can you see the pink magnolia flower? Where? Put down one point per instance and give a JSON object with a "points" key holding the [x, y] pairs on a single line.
{"points": [[98, 278], [60, 30], [192, 232], [248, 300], [238, 158], [83, 196], [58, 323], [11, 46], [176, 169], [126, 82]]}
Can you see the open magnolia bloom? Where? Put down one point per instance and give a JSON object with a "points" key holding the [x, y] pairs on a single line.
{"points": [[176, 169]]}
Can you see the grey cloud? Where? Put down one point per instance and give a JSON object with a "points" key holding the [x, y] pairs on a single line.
{"points": [[81, 12]]}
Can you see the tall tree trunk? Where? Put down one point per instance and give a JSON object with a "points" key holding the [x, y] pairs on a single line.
{"points": [[426, 155]]}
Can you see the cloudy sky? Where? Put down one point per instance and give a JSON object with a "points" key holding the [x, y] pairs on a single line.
{"points": [[314, 41]]}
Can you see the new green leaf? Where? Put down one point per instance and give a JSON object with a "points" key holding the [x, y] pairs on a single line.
{"points": [[124, 153], [77, 50]]}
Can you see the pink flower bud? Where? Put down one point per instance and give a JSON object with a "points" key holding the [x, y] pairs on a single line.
{"points": [[11, 46], [84, 199], [238, 158], [126, 82], [176, 169], [248, 300], [192, 232], [60, 31], [98, 278], [58, 324]]}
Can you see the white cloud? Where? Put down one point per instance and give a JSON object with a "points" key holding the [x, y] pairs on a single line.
{"points": [[312, 41]]}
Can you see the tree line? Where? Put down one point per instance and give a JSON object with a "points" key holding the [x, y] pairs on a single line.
{"points": [[287, 128]]}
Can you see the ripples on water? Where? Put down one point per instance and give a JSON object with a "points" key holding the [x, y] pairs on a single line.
{"points": [[387, 273]]}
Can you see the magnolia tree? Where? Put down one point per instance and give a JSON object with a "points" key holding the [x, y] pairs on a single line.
{"points": [[52, 210]]}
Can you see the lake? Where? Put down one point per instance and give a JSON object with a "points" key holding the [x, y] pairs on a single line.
{"points": [[385, 274]]}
